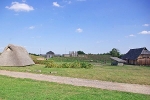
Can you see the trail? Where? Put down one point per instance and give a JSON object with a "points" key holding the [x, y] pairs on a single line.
{"points": [[134, 88]]}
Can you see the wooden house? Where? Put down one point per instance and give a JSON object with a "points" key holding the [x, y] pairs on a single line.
{"points": [[117, 61], [139, 56]]}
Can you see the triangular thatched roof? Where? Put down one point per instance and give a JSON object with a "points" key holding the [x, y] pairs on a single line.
{"points": [[15, 56], [133, 54]]}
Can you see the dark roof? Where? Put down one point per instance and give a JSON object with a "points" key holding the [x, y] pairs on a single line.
{"points": [[133, 54], [118, 59], [50, 52]]}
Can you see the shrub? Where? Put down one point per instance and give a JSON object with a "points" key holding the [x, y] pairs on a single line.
{"points": [[75, 65], [51, 64], [83, 65], [65, 65], [86, 65], [89, 66], [40, 61]]}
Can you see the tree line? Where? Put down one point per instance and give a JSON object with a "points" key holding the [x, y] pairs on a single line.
{"points": [[114, 53]]}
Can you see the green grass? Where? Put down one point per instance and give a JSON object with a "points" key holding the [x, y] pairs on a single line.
{"points": [[87, 58], [123, 74], [26, 89]]}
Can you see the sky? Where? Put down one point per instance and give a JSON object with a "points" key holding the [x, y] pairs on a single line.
{"points": [[92, 26]]}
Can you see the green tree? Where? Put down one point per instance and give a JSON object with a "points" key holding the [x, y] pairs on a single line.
{"points": [[115, 52], [80, 52]]}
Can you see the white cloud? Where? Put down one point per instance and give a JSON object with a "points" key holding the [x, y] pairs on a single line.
{"points": [[79, 30], [131, 35], [56, 4], [146, 25], [16, 6], [31, 27], [144, 32]]}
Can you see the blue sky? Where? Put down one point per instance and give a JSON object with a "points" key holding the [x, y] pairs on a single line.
{"points": [[93, 26]]}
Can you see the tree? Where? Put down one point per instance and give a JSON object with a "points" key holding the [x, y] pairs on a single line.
{"points": [[80, 52], [115, 52]]}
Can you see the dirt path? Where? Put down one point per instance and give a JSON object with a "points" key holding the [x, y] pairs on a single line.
{"points": [[135, 88]]}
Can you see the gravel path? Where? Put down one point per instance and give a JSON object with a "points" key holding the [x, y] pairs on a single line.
{"points": [[135, 88]]}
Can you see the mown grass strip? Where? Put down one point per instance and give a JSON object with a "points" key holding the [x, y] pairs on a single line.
{"points": [[26, 89], [122, 74]]}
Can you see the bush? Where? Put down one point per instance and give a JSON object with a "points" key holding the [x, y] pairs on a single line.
{"points": [[65, 65], [76, 64], [51, 64], [40, 61], [86, 65]]}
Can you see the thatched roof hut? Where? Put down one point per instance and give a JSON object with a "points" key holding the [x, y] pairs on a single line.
{"points": [[15, 56]]}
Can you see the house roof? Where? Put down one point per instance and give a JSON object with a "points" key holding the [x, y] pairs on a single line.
{"points": [[50, 52], [133, 54], [118, 59], [15, 56], [145, 52]]}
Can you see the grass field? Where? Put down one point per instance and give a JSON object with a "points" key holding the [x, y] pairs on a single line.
{"points": [[26, 89], [87, 58], [123, 74]]}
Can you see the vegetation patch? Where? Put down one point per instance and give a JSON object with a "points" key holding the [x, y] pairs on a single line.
{"points": [[121, 74], [76, 64], [26, 89]]}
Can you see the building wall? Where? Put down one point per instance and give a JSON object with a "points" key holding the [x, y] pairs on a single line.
{"points": [[141, 60], [66, 55], [49, 56]]}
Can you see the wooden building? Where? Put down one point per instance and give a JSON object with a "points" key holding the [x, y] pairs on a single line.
{"points": [[139, 56], [117, 61]]}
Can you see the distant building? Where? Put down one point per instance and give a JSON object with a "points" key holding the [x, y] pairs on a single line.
{"points": [[71, 54], [50, 54], [66, 55], [139, 56], [57, 55], [117, 61], [82, 55]]}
